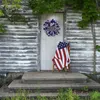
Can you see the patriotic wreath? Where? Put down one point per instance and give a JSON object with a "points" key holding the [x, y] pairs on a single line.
{"points": [[51, 27]]}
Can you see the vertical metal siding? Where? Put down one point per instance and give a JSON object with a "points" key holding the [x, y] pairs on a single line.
{"points": [[19, 47], [81, 42]]}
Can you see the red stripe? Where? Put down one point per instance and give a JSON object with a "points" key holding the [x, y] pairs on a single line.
{"points": [[55, 63], [59, 63], [57, 54]]}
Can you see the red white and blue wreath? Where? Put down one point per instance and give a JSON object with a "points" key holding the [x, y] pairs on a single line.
{"points": [[51, 27]]}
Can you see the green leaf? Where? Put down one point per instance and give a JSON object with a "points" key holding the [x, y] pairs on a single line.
{"points": [[1, 13], [2, 29], [98, 48]]}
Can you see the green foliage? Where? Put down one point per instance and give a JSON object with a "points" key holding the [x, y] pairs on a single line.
{"points": [[63, 95], [90, 12], [69, 95], [16, 17], [2, 28], [98, 48], [20, 95], [88, 9], [45, 6], [23, 95], [95, 96], [85, 89], [1, 13], [41, 98], [11, 4], [9, 9]]}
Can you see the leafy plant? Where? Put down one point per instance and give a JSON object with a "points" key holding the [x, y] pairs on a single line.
{"points": [[45, 6], [67, 95], [98, 48], [2, 28], [20, 95], [89, 8], [41, 98], [9, 9], [95, 96], [85, 89], [61, 95], [1, 13]]}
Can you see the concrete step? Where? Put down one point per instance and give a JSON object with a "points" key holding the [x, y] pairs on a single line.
{"points": [[53, 78], [5, 92], [16, 85]]}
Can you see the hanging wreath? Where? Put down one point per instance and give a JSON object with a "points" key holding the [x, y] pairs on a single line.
{"points": [[51, 27]]}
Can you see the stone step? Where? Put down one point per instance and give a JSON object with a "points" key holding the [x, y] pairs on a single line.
{"points": [[5, 92], [16, 85], [53, 78]]}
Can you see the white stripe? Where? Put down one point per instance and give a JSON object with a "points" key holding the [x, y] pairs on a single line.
{"points": [[57, 64], [58, 53], [63, 60], [67, 55]]}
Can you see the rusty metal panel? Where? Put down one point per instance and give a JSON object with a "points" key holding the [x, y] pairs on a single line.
{"points": [[81, 42]]}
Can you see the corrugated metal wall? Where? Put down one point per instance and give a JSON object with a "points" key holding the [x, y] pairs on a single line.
{"points": [[81, 42], [19, 47], [97, 32]]}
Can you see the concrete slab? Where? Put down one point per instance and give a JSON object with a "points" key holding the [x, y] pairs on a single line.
{"points": [[52, 75], [16, 84]]}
